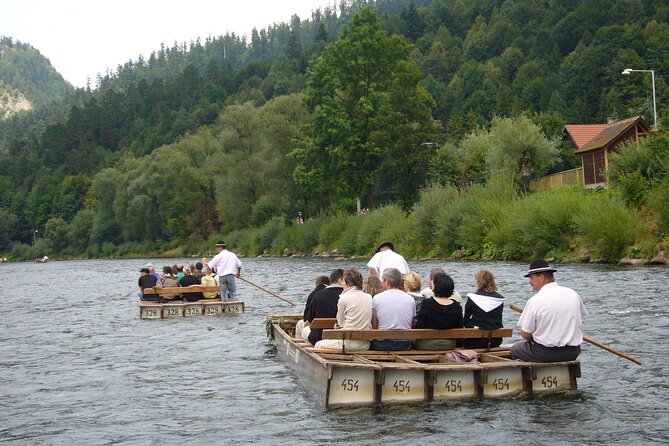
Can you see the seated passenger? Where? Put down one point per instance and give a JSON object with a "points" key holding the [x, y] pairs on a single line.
{"points": [[439, 312], [209, 280], [412, 285], [146, 280], [168, 280], [372, 285], [187, 280], [354, 311], [484, 309], [393, 309], [321, 282], [324, 305], [428, 292]]}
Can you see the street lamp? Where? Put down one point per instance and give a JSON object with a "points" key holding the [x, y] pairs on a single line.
{"points": [[652, 75]]}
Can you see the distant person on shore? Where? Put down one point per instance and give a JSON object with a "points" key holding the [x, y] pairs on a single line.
{"points": [[484, 309], [552, 322], [354, 311], [228, 266], [428, 292], [168, 280], [412, 284], [187, 280], [320, 283], [386, 257], [440, 312], [146, 280], [393, 310]]}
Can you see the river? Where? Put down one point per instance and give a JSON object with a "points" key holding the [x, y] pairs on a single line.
{"points": [[78, 366]]}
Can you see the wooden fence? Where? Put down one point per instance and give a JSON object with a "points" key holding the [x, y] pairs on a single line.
{"points": [[560, 179]]}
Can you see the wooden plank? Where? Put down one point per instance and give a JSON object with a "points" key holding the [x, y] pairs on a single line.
{"points": [[180, 290], [323, 322], [421, 333]]}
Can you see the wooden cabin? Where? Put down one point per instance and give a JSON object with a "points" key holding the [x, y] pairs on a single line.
{"points": [[594, 150]]}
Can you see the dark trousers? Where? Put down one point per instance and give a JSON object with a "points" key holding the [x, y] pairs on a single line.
{"points": [[387, 344], [532, 352]]}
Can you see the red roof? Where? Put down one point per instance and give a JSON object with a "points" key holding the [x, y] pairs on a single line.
{"points": [[613, 132], [581, 134]]}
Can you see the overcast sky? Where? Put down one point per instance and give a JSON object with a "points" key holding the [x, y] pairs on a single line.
{"points": [[82, 38]]}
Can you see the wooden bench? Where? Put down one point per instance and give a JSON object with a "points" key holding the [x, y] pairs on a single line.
{"points": [[417, 333], [176, 308], [323, 322]]}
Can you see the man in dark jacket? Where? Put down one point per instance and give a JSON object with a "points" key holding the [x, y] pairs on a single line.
{"points": [[324, 305]]}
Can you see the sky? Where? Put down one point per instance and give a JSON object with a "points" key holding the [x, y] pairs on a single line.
{"points": [[82, 38]]}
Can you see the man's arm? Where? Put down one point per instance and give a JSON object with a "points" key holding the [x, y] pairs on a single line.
{"points": [[375, 322], [527, 336]]}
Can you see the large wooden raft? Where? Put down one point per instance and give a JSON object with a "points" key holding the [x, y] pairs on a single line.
{"points": [[177, 308], [339, 378]]}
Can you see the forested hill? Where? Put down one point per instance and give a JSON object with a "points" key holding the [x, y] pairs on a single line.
{"points": [[209, 136], [27, 79]]}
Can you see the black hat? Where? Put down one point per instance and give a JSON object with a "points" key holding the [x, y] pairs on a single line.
{"points": [[539, 266], [388, 244], [221, 243], [144, 270]]}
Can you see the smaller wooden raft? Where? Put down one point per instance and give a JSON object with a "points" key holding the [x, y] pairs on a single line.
{"points": [[177, 308]]}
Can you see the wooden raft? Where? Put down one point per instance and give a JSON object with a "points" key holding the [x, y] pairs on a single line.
{"points": [[177, 308]]}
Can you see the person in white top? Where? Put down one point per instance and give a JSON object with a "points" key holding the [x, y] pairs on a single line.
{"points": [[227, 266], [385, 258], [552, 322], [428, 292]]}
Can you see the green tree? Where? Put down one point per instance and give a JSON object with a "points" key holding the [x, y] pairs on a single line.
{"points": [[348, 90]]}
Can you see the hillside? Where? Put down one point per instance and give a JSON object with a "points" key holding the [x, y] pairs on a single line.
{"points": [[27, 79], [212, 136]]}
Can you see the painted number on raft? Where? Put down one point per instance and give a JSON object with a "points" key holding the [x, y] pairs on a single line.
{"points": [[402, 386], [150, 312], [454, 385], [172, 311], [212, 310], [501, 383], [549, 382], [193, 310], [350, 385], [232, 309]]}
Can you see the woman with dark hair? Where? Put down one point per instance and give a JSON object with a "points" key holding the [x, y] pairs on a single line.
{"points": [[168, 280], [439, 312], [484, 309]]}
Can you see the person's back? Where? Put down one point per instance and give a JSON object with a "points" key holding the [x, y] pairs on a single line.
{"points": [[187, 280], [484, 309], [168, 280], [552, 322], [440, 312], [386, 257], [324, 305], [146, 280], [393, 309], [208, 280]]}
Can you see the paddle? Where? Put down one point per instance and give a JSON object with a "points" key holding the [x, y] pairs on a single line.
{"points": [[267, 291], [593, 342]]}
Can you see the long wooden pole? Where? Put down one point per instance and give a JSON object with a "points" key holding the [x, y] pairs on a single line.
{"points": [[267, 291], [593, 342]]}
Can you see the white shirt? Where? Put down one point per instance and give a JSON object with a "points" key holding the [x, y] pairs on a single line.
{"points": [[383, 260], [554, 316], [225, 262], [394, 310]]}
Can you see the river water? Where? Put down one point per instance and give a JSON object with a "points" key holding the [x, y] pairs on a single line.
{"points": [[78, 366]]}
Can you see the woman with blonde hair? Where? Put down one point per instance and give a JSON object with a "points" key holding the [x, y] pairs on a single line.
{"points": [[412, 284], [484, 309]]}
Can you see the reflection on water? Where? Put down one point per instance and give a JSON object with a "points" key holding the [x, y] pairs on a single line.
{"points": [[77, 365]]}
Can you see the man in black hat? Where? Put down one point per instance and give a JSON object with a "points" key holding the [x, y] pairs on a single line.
{"points": [[552, 321], [146, 280], [228, 266], [385, 258]]}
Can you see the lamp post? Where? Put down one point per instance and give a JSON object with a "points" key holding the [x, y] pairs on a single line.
{"points": [[652, 75]]}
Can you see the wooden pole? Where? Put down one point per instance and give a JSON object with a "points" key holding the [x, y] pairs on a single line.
{"points": [[593, 342], [267, 291]]}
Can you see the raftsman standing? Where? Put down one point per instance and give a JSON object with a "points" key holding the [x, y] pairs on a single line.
{"points": [[227, 266], [552, 322]]}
